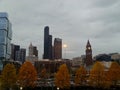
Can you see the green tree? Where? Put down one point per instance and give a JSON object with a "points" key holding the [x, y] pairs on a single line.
{"points": [[97, 75], [62, 77], [27, 75], [80, 76], [9, 76]]}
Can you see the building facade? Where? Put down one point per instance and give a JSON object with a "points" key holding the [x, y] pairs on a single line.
{"points": [[57, 48], [5, 38], [47, 44], [32, 50], [17, 53], [51, 66], [116, 57], [14, 50], [32, 54], [21, 55], [35, 51]]}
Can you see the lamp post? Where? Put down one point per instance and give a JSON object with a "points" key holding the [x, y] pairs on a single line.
{"points": [[65, 46], [57, 88], [21, 88]]}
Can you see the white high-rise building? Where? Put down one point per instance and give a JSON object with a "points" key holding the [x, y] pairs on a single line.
{"points": [[5, 37], [32, 54]]}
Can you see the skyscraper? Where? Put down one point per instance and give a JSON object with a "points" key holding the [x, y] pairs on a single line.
{"points": [[47, 44], [21, 55], [14, 49], [17, 53], [32, 54], [50, 56], [5, 38], [33, 51], [57, 48]]}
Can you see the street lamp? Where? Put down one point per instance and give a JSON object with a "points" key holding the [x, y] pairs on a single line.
{"points": [[65, 46], [21, 88], [57, 88]]}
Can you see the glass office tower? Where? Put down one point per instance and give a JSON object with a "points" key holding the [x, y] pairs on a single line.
{"points": [[5, 38]]}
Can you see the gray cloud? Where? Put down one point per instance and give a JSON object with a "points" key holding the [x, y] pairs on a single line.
{"points": [[104, 3], [75, 21]]}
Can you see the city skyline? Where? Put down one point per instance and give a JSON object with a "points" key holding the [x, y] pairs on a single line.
{"points": [[73, 21]]}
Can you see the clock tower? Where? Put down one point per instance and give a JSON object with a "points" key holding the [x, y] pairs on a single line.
{"points": [[88, 59]]}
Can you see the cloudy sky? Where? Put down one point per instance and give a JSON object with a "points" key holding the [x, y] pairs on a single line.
{"points": [[75, 21]]}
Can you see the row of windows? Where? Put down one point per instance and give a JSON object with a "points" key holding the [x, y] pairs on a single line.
{"points": [[8, 47], [2, 50], [5, 51], [4, 23], [10, 31], [3, 15], [3, 35]]}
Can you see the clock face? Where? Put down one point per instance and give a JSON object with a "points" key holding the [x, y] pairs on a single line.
{"points": [[89, 48]]}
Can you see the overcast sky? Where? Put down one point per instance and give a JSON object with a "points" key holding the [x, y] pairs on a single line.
{"points": [[74, 21]]}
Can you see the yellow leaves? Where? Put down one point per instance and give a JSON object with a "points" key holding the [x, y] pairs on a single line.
{"points": [[43, 73], [80, 76], [27, 75], [114, 73], [9, 75], [62, 77], [101, 78], [97, 75]]}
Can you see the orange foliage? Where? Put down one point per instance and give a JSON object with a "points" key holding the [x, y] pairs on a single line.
{"points": [[9, 76], [27, 75], [43, 73], [114, 73], [80, 76], [97, 75], [62, 77]]}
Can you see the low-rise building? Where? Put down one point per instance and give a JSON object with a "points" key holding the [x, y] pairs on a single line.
{"points": [[77, 62], [51, 66]]}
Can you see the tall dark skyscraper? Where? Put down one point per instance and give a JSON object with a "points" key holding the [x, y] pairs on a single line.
{"points": [[21, 55], [47, 44], [57, 48], [14, 49], [50, 56]]}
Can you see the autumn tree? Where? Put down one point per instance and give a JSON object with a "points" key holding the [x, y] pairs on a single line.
{"points": [[43, 73], [80, 76], [27, 75], [97, 75], [114, 73], [9, 76], [62, 77], [107, 82]]}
